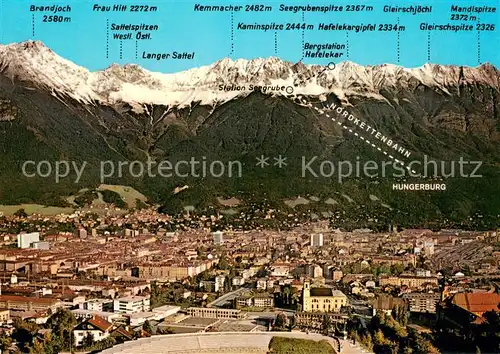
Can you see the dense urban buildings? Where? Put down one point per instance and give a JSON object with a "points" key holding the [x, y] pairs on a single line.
{"points": [[129, 276]]}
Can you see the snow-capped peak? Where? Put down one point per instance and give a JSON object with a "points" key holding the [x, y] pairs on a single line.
{"points": [[33, 63]]}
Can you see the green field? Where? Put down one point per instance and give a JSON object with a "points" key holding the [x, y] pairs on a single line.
{"points": [[283, 345], [128, 194], [9, 210]]}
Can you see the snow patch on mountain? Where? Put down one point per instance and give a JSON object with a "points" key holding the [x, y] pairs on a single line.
{"points": [[35, 64]]}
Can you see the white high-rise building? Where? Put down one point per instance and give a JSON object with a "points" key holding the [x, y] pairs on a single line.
{"points": [[317, 272], [316, 240], [131, 304], [218, 237], [25, 240], [219, 282]]}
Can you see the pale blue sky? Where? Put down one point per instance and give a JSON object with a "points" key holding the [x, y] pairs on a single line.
{"points": [[208, 34]]}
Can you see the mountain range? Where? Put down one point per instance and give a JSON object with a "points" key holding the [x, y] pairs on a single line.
{"points": [[52, 109]]}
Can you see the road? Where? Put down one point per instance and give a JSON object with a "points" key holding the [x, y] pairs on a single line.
{"points": [[227, 297]]}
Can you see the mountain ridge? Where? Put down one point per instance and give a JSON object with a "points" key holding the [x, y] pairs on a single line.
{"points": [[32, 61], [444, 112]]}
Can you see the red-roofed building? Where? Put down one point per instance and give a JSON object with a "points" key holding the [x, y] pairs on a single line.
{"points": [[465, 308], [121, 334], [477, 303], [97, 327]]}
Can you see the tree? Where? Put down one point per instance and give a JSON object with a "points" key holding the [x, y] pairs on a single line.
{"points": [[147, 327], [326, 324], [37, 348], [379, 338], [62, 319], [383, 345], [227, 285], [262, 273], [24, 332], [397, 269], [5, 342], [485, 335], [407, 350], [383, 269], [223, 263], [286, 295], [466, 270], [400, 314], [20, 213], [366, 341], [421, 261], [104, 344], [48, 344], [294, 296], [293, 323], [43, 346], [62, 323], [280, 321], [420, 344]]}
